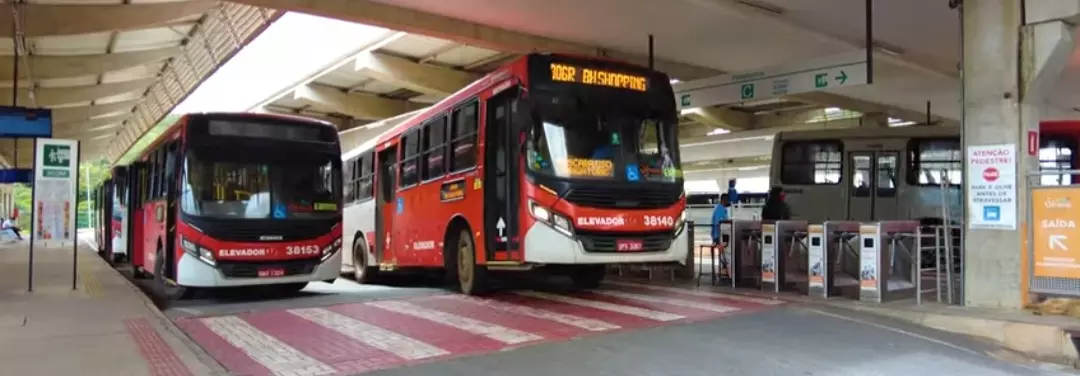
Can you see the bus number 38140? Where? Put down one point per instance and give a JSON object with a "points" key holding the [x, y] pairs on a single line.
{"points": [[659, 220]]}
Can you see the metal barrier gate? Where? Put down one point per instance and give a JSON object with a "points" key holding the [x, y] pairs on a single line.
{"points": [[889, 251], [742, 253], [833, 256], [783, 256]]}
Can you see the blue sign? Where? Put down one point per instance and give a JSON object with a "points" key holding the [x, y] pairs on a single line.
{"points": [[991, 213], [400, 205], [280, 212], [25, 122], [22, 175], [633, 172]]}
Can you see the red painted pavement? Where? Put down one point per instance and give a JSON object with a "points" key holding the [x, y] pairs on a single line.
{"points": [[159, 356]]}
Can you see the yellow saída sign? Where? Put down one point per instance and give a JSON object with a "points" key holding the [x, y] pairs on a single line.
{"points": [[598, 77], [580, 167]]}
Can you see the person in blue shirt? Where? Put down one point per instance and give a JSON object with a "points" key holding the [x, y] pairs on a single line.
{"points": [[720, 213]]}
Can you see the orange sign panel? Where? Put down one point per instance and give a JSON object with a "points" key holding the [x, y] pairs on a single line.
{"points": [[1056, 212]]}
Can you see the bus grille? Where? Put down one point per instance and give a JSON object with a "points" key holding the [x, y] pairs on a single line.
{"points": [[623, 198], [250, 269], [253, 230], [606, 241]]}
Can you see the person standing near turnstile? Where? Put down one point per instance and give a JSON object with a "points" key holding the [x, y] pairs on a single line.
{"points": [[719, 214], [775, 208]]}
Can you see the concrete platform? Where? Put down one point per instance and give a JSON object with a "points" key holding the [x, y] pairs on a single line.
{"points": [[104, 327]]}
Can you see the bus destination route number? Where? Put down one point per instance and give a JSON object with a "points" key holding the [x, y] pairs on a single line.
{"points": [[596, 77], [301, 250]]}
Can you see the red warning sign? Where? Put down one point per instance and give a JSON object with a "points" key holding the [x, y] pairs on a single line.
{"points": [[991, 174]]}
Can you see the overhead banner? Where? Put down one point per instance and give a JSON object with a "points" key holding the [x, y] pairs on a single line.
{"points": [[56, 168], [992, 190]]}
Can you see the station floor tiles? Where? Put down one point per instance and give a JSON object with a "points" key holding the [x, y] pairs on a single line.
{"points": [[354, 338]]}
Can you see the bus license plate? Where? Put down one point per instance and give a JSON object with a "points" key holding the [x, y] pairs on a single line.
{"points": [[629, 245], [271, 272]]}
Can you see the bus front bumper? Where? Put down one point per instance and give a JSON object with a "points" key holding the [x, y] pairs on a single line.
{"points": [[195, 273], [545, 245]]}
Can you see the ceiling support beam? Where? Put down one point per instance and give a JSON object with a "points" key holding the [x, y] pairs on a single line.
{"points": [[45, 67], [725, 118], [40, 20], [471, 33], [360, 106], [58, 96], [421, 78], [69, 114]]}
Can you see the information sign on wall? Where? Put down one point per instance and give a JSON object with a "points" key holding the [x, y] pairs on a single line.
{"points": [[992, 190], [1055, 236], [55, 173]]}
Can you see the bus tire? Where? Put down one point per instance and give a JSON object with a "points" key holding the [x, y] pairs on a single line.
{"points": [[587, 276], [363, 272], [471, 278], [162, 285]]}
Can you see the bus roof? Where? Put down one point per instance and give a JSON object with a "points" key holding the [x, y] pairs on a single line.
{"points": [[171, 133]]}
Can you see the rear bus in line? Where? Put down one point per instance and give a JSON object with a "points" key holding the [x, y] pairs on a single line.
{"points": [[110, 208], [896, 173], [234, 199], [553, 161]]}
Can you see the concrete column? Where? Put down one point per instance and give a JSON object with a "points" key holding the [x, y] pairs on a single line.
{"points": [[1008, 70], [874, 120]]}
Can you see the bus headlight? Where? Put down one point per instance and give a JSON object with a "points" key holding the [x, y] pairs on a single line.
{"points": [[331, 248], [201, 253], [555, 220], [680, 223]]}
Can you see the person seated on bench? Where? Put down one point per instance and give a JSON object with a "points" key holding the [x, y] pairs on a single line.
{"points": [[9, 225]]}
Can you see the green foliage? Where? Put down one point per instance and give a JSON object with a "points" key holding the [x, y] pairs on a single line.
{"points": [[98, 171], [148, 138]]}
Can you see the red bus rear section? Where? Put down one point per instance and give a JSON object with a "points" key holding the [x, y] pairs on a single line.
{"points": [[552, 161], [225, 200]]}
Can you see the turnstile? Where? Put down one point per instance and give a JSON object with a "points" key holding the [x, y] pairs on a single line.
{"points": [[888, 259], [783, 256], [833, 259], [741, 257]]}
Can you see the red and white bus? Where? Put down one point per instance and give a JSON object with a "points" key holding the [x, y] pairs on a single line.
{"points": [[110, 204], [564, 162], [223, 200]]}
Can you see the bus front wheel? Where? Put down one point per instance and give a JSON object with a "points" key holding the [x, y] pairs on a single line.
{"points": [[168, 290], [363, 272], [471, 278]]}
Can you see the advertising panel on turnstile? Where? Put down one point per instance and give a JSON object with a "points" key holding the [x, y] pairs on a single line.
{"points": [[869, 267], [818, 261], [768, 257]]}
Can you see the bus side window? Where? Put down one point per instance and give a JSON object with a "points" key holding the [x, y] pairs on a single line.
{"points": [[409, 159], [349, 176], [463, 137], [434, 149], [364, 187]]}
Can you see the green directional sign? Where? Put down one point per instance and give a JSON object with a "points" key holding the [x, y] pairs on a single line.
{"points": [[747, 91], [685, 100], [821, 80], [842, 78], [57, 156]]}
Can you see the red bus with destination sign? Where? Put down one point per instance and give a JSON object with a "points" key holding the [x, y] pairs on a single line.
{"points": [[553, 161], [233, 199]]}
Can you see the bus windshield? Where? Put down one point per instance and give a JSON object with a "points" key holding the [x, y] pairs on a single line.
{"points": [[300, 187], [572, 137]]}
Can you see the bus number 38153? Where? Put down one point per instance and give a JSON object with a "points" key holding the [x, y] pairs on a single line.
{"points": [[296, 250]]}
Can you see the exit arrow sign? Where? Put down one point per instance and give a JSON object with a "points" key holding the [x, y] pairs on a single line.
{"points": [[842, 77]]}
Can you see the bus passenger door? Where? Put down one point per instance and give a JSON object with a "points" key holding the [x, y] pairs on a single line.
{"points": [[385, 205], [502, 175], [171, 251], [872, 185]]}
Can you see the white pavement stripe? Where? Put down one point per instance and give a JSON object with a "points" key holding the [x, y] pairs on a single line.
{"points": [[371, 335], [586, 323], [495, 332], [624, 309], [669, 301], [277, 356], [707, 294]]}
